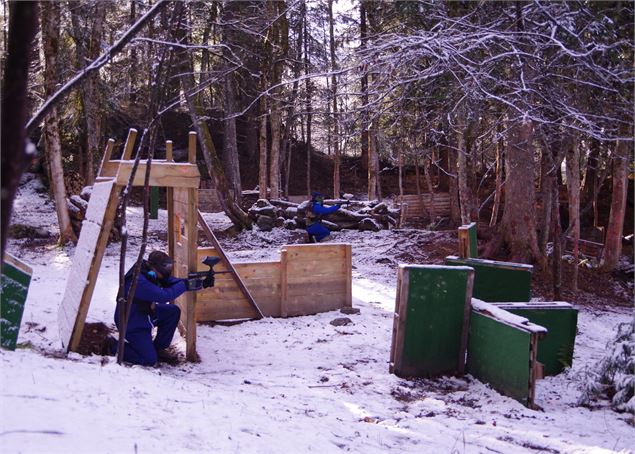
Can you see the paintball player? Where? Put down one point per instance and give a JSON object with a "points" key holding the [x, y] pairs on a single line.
{"points": [[316, 209], [156, 287]]}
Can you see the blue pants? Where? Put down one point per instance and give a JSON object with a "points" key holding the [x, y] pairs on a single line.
{"points": [[318, 231], [140, 349]]}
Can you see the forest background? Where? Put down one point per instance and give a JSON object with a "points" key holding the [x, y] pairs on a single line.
{"points": [[521, 111]]}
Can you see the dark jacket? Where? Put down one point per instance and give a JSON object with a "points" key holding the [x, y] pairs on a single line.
{"points": [[318, 210]]}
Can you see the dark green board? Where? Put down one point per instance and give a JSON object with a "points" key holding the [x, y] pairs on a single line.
{"points": [[154, 202], [429, 336], [15, 286], [497, 281], [555, 351], [499, 354]]}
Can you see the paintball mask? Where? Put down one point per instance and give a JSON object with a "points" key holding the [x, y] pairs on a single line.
{"points": [[317, 197], [161, 262]]}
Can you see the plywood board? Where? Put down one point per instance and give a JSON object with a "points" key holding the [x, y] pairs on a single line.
{"points": [[497, 281], [430, 320], [164, 174], [86, 262], [555, 350], [14, 284], [316, 278]]}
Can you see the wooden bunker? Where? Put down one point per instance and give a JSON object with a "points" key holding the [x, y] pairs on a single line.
{"points": [[308, 278]]}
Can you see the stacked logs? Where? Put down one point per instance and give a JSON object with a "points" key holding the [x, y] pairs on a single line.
{"points": [[78, 206], [373, 216]]}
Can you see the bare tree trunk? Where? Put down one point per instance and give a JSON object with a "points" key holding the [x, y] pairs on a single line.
{"points": [[274, 165], [336, 133], [262, 142], [519, 223], [453, 187], [230, 151], [548, 178], [499, 183], [91, 97], [372, 163], [50, 43], [400, 164], [426, 172], [465, 195], [573, 190], [23, 25], [556, 233], [364, 82], [309, 107], [613, 242]]}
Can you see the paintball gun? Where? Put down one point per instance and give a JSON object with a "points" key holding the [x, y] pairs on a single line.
{"points": [[203, 279], [345, 199]]}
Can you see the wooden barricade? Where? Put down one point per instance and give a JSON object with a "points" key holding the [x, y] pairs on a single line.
{"points": [[502, 351], [416, 204], [429, 336], [308, 279]]}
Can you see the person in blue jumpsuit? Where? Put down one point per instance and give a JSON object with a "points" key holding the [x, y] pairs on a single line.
{"points": [[150, 308], [318, 232]]}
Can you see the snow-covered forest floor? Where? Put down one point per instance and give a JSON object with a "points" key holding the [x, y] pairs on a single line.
{"points": [[277, 385]]}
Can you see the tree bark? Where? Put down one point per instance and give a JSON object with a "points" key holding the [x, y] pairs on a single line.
{"points": [[372, 163], [262, 145], [309, 107], [363, 30], [519, 221], [426, 172], [336, 133], [499, 183], [50, 42], [230, 148], [274, 164], [91, 97], [23, 25], [573, 191], [453, 187], [613, 242]]}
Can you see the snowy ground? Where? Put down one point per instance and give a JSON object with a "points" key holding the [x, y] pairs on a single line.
{"points": [[276, 385]]}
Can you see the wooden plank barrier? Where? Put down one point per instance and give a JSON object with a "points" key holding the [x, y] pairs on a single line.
{"points": [[308, 279], [430, 325], [497, 281], [588, 248], [415, 204], [502, 351], [555, 351]]}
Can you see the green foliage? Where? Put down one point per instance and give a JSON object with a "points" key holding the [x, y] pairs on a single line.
{"points": [[613, 378]]}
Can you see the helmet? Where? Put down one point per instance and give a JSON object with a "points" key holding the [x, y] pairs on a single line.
{"points": [[317, 197], [161, 262]]}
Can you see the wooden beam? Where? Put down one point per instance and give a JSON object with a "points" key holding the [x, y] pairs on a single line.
{"points": [[164, 174], [129, 146], [169, 156], [191, 148], [212, 238], [107, 155]]}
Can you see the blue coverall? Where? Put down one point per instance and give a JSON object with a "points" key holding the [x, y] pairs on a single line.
{"points": [[140, 349], [316, 229]]}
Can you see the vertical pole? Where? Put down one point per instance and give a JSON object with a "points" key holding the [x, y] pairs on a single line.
{"points": [[192, 256], [154, 202], [284, 295], [170, 202]]}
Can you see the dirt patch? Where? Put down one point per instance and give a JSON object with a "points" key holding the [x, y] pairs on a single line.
{"points": [[93, 339]]}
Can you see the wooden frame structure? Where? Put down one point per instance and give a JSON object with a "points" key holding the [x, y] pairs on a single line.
{"points": [[307, 280]]}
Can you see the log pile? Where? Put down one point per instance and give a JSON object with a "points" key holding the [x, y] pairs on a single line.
{"points": [[78, 205], [358, 215]]}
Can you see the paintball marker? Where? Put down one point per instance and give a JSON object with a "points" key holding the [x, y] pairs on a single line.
{"points": [[203, 279], [345, 199]]}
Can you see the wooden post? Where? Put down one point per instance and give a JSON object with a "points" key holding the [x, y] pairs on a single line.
{"points": [[127, 150], [349, 276], [191, 148], [284, 288], [170, 202], [154, 202], [107, 155]]}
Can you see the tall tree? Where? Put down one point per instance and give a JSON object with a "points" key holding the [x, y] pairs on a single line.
{"points": [[50, 42], [335, 117], [23, 26]]}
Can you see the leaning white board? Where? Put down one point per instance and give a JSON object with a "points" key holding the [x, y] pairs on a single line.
{"points": [[89, 252]]}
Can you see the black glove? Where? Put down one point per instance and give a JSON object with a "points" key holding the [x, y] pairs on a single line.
{"points": [[194, 283], [208, 282]]}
